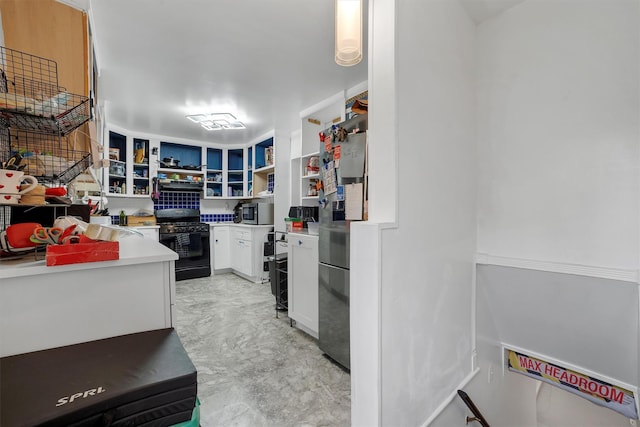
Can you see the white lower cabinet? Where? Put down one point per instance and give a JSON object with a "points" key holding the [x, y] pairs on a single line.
{"points": [[247, 243], [302, 282], [242, 256], [220, 247]]}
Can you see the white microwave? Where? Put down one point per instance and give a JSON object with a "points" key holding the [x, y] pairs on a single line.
{"points": [[257, 213]]}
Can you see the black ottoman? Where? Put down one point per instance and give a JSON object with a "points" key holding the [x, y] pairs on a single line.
{"points": [[143, 379]]}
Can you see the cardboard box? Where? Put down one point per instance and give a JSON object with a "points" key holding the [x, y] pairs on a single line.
{"points": [[82, 252], [134, 221]]}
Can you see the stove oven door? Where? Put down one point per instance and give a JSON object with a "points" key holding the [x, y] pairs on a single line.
{"points": [[193, 252]]}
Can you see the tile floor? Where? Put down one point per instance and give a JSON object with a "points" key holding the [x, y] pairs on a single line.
{"points": [[254, 369]]}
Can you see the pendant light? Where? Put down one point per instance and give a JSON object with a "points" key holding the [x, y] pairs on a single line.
{"points": [[348, 32]]}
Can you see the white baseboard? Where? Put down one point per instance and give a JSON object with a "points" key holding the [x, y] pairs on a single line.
{"points": [[450, 398]]}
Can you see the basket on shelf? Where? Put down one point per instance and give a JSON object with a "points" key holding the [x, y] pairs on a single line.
{"points": [[48, 157], [37, 118]]}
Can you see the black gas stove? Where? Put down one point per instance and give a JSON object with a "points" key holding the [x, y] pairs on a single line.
{"points": [[184, 227], [182, 232]]}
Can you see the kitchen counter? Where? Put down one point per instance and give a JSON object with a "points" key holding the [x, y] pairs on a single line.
{"points": [[133, 251], [233, 224], [44, 307], [303, 232], [149, 231]]}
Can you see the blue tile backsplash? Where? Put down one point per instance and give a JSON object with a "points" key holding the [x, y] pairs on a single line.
{"points": [[177, 200], [182, 200], [216, 217]]}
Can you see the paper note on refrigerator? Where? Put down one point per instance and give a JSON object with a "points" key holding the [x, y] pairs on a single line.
{"points": [[352, 156], [329, 178], [353, 201]]}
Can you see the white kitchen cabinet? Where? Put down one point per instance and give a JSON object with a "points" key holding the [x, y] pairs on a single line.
{"points": [[302, 281], [263, 180], [129, 170], [242, 253], [247, 243], [220, 248], [44, 307]]}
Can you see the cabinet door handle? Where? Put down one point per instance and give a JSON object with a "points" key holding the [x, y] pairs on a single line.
{"points": [[299, 242], [216, 240]]}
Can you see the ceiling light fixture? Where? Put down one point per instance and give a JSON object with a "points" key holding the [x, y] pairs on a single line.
{"points": [[217, 121], [348, 32]]}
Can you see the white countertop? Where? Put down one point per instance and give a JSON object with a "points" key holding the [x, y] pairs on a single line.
{"points": [[303, 232], [133, 250], [233, 224]]}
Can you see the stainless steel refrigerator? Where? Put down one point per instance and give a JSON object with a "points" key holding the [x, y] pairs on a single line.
{"points": [[343, 170]]}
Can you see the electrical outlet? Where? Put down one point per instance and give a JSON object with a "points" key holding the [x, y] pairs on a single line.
{"points": [[490, 374]]}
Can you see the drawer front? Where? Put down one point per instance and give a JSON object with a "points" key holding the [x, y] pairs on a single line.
{"points": [[242, 234], [306, 242]]}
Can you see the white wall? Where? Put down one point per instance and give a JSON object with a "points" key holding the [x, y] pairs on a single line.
{"points": [[558, 149], [427, 262], [282, 186], [557, 407], [508, 400], [557, 137], [558, 132], [366, 237]]}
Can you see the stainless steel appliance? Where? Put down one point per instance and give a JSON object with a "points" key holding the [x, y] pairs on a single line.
{"points": [[338, 207], [257, 213], [182, 232]]}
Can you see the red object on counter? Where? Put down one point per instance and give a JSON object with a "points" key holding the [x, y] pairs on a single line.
{"points": [[19, 234], [76, 253], [55, 191]]}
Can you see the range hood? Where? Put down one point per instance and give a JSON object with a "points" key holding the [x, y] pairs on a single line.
{"points": [[180, 185]]}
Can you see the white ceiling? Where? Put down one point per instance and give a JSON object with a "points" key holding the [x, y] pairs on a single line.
{"points": [[262, 60]]}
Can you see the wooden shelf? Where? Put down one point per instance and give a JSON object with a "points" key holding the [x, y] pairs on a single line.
{"points": [[266, 169]]}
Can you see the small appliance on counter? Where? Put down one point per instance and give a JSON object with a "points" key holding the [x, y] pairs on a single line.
{"points": [[237, 213], [306, 213], [257, 213]]}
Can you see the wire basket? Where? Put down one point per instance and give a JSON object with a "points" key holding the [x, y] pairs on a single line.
{"points": [[37, 117], [30, 98], [50, 158]]}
